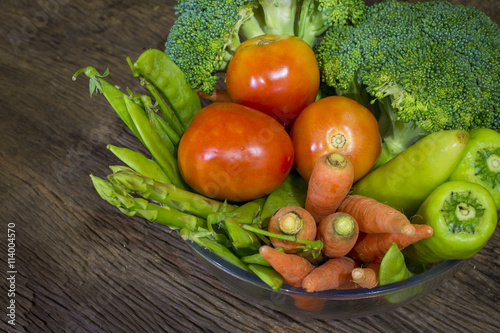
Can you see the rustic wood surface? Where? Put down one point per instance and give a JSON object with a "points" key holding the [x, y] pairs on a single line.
{"points": [[83, 267]]}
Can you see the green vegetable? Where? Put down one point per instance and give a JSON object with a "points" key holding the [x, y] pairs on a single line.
{"points": [[168, 135], [268, 275], [463, 216], [240, 237], [292, 192], [425, 66], [131, 206], [152, 141], [407, 180], [393, 267], [258, 259], [167, 194], [207, 32], [140, 163], [164, 75], [113, 95], [215, 247], [480, 162]]}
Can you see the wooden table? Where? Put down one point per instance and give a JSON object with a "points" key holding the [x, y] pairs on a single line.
{"points": [[83, 267]]}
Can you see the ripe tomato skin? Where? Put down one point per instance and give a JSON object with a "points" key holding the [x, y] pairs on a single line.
{"points": [[233, 152], [277, 75], [336, 118]]}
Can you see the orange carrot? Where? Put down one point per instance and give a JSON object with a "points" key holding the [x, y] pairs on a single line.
{"points": [[330, 182], [371, 247], [375, 217], [292, 221], [219, 95], [366, 277], [338, 232], [329, 275], [309, 303], [292, 268]]}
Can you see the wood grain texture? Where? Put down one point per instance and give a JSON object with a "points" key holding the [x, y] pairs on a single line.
{"points": [[82, 266]]}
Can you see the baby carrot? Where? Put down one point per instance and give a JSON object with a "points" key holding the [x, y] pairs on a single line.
{"points": [[293, 221], [292, 268], [329, 275], [370, 247], [330, 182], [366, 277], [375, 217], [338, 232]]}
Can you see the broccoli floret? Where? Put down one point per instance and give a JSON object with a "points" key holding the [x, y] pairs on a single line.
{"points": [[316, 16], [206, 33], [421, 67]]}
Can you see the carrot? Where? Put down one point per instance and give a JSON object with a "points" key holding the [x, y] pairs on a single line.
{"points": [[371, 247], [219, 95], [309, 303], [375, 217], [329, 275], [330, 182], [338, 232], [366, 277], [292, 221], [292, 268]]}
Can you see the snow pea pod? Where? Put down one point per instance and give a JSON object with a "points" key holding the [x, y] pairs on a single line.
{"points": [[113, 95], [463, 216], [215, 247], [268, 275], [140, 163], [153, 142], [291, 193], [407, 180], [393, 269], [480, 162], [167, 77]]}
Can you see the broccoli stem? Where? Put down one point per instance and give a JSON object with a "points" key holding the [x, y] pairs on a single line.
{"points": [[311, 23], [396, 135], [279, 16]]}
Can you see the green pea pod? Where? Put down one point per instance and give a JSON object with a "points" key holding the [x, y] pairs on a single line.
{"points": [[153, 143], [407, 180], [292, 192], [168, 135], [140, 163], [480, 162], [113, 95], [258, 259], [240, 237], [168, 78], [463, 216], [393, 269], [268, 275], [215, 247]]}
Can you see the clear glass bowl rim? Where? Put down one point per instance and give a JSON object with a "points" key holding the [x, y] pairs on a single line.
{"points": [[333, 294]]}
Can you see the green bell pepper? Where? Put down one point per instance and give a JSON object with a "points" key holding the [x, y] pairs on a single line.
{"points": [[463, 216], [480, 162], [405, 181]]}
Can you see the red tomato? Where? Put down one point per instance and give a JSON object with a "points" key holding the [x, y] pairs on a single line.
{"points": [[336, 124], [277, 75], [233, 152]]}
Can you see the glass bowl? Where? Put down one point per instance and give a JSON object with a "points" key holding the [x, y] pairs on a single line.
{"points": [[329, 304]]}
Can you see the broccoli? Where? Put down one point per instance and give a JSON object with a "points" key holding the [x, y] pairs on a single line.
{"points": [[206, 33], [421, 67]]}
